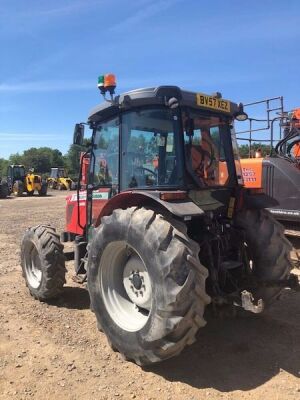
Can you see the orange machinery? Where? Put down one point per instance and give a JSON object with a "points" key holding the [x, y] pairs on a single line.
{"points": [[278, 173]]}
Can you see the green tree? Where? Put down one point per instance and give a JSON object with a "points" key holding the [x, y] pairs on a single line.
{"points": [[41, 159], [72, 158], [15, 159], [3, 167], [244, 150]]}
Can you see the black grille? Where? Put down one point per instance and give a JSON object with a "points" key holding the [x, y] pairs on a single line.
{"points": [[268, 179]]}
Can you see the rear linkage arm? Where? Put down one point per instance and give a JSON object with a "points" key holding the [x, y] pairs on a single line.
{"points": [[292, 282]]}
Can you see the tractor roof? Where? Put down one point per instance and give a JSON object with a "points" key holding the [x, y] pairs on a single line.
{"points": [[159, 96]]}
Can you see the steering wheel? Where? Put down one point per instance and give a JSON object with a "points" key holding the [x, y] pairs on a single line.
{"points": [[148, 170]]}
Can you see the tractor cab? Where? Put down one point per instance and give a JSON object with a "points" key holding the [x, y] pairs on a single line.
{"points": [[159, 143], [58, 173], [15, 173]]}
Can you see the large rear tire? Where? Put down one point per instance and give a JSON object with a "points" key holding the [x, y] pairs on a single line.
{"points": [[146, 284], [268, 249], [4, 190], [43, 262]]}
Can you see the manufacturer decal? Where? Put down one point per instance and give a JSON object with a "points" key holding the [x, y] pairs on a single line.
{"points": [[248, 174], [96, 196]]}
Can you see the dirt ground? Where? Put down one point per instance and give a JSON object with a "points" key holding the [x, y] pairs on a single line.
{"points": [[54, 351]]}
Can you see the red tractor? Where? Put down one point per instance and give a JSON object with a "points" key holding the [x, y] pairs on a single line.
{"points": [[165, 225]]}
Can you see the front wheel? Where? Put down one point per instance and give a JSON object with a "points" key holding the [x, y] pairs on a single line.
{"points": [[43, 189], [43, 262], [146, 284], [51, 184], [18, 188]]}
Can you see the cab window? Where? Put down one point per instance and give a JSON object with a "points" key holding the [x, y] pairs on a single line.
{"points": [[204, 148], [148, 149], [106, 154]]}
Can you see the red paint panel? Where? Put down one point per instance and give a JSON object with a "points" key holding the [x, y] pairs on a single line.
{"points": [[100, 199]]}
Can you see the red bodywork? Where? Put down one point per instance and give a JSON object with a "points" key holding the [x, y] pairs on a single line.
{"points": [[76, 221], [100, 198]]}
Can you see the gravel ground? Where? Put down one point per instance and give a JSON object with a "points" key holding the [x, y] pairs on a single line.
{"points": [[51, 351]]}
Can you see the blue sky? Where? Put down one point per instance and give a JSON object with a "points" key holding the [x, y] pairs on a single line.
{"points": [[53, 51]]}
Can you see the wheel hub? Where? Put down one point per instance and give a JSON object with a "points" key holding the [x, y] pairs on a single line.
{"points": [[33, 269], [136, 282], [125, 286]]}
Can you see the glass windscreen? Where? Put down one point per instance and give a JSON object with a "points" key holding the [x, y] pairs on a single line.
{"points": [[204, 147], [18, 172], [148, 149], [61, 173]]}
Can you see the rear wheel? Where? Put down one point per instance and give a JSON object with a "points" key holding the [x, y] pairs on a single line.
{"points": [[146, 284], [268, 251], [4, 191], [43, 262]]}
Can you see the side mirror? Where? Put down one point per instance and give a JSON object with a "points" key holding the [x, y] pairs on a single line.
{"points": [[78, 134]]}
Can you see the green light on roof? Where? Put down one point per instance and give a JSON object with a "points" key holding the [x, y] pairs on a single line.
{"points": [[100, 80]]}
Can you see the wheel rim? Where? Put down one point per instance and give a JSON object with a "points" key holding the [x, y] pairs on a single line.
{"points": [[33, 268], [125, 286]]}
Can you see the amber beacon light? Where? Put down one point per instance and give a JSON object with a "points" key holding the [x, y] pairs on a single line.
{"points": [[107, 83]]}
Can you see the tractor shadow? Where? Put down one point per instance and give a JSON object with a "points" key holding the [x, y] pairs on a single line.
{"points": [[75, 298], [240, 353]]}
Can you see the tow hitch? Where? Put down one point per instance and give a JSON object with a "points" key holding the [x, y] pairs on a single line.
{"points": [[242, 299], [246, 300], [248, 303]]}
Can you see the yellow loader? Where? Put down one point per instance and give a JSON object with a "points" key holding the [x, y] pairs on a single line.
{"points": [[59, 180], [20, 182]]}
